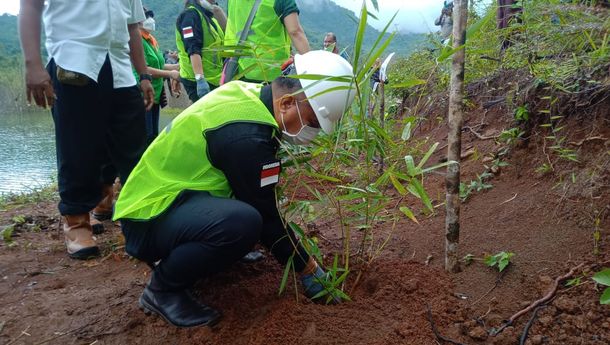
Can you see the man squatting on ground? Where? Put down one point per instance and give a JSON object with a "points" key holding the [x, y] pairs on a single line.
{"points": [[97, 108], [203, 193]]}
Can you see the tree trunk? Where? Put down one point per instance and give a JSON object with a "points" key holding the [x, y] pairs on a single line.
{"points": [[381, 120], [456, 109]]}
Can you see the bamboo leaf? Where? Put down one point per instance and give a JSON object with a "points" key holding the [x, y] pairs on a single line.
{"points": [[399, 187], [323, 177], [427, 155], [407, 212], [406, 84]]}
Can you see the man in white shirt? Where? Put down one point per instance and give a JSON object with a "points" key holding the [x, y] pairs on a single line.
{"points": [[96, 105]]}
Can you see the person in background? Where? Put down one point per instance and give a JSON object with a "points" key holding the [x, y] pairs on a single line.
{"points": [[275, 27], [159, 70], [171, 57], [199, 30], [96, 105], [445, 21], [204, 192], [330, 44]]}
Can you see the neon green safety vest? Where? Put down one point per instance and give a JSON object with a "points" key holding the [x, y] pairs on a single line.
{"points": [[177, 159], [268, 38], [210, 58]]}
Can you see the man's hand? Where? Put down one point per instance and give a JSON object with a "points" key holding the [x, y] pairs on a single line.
{"points": [[39, 86], [202, 87], [314, 285], [148, 93], [175, 75], [176, 87]]}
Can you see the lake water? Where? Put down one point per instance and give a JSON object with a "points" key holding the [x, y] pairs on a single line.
{"points": [[27, 151]]}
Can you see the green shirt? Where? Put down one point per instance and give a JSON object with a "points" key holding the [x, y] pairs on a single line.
{"points": [[154, 58]]}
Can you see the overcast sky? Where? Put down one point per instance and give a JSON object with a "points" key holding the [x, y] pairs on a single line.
{"points": [[413, 15]]}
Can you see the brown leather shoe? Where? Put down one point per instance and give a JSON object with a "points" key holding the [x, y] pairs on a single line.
{"points": [[103, 210], [79, 237]]}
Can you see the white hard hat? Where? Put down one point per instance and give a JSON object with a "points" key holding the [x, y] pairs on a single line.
{"points": [[328, 106]]}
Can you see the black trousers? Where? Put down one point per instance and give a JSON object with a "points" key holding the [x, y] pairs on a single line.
{"points": [[198, 235], [97, 129]]}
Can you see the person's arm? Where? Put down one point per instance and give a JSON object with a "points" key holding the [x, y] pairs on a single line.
{"points": [[296, 33], [163, 73], [192, 37], [246, 154], [136, 53], [171, 67], [37, 79], [220, 16]]}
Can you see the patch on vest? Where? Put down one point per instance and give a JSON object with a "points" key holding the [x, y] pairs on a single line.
{"points": [[187, 32], [270, 174]]}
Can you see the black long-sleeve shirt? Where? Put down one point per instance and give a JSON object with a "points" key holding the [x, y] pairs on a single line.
{"points": [[190, 26], [241, 150]]}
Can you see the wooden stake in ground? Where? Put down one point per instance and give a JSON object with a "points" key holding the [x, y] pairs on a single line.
{"points": [[454, 148]]}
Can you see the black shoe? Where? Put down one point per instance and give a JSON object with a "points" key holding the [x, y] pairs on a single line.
{"points": [[253, 256], [178, 308]]}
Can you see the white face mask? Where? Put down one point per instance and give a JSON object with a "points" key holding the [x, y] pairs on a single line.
{"points": [[304, 136], [149, 24]]}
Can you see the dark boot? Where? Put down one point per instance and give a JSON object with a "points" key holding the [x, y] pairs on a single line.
{"points": [[79, 237], [178, 308]]}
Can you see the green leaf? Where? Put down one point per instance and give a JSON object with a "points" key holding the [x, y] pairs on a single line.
{"points": [[323, 177], [427, 155], [422, 194], [408, 213], [603, 277], [399, 187], [286, 274], [411, 170], [406, 84], [406, 132], [605, 297]]}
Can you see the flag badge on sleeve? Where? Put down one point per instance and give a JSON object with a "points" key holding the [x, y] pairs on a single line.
{"points": [[270, 174], [187, 32]]}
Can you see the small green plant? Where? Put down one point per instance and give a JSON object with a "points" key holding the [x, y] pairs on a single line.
{"points": [[545, 168], [510, 136], [521, 113], [574, 282], [475, 186], [19, 219], [335, 275], [7, 235], [501, 260], [603, 278]]}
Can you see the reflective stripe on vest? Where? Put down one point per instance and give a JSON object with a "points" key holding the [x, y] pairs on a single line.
{"points": [[210, 57], [177, 159], [268, 38]]}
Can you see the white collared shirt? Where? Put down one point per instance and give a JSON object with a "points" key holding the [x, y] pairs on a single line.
{"points": [[80, 33]]}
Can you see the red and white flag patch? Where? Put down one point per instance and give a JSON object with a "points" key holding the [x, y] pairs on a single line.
{"points": [[187, 32], [270, 174]]}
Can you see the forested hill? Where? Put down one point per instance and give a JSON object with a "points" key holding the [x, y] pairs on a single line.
{"points": [[317, 18]]}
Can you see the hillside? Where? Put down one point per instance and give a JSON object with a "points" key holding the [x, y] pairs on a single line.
{"points": [[326, 16]]}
